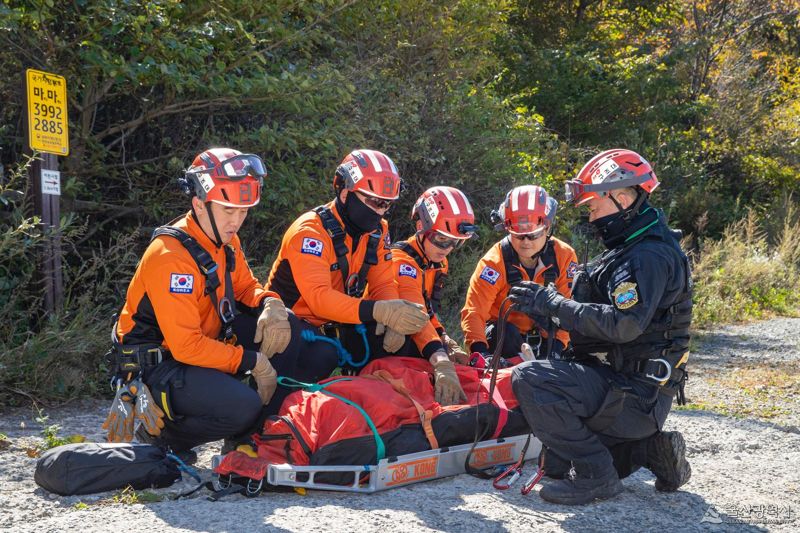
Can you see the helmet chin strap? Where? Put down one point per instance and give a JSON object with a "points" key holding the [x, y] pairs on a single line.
{"points": [[420, 235], [217, 238], [629, 213]]}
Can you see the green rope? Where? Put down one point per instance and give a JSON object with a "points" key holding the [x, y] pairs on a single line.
{"points": [[318, 387]]}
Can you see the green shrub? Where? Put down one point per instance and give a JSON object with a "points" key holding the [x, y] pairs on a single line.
{"points": [[746, 275]]}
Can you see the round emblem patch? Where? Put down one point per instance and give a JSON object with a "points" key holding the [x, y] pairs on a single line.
{"points": [[625, 295]]}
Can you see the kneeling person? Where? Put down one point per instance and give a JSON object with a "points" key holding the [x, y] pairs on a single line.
{"points": [[528, 253], [187, 334], [334, 269], [444, 220]]}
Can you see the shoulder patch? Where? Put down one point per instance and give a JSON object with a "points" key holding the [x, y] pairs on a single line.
{"points": [[181, 283], [572, 269], [625, 296], [312, 246], [408, 270], [489, 274]]}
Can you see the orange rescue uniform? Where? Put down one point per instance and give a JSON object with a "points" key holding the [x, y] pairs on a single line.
{"points": [[305, 276], [488, 288], [414, 283], [166, 302]]}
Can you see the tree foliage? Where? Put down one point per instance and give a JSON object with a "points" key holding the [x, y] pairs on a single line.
{"points": [[479, 94]]}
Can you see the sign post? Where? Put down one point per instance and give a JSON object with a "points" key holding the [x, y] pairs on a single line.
{"points": [[48, 133]]}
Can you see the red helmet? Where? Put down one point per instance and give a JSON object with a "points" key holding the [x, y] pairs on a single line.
{"points": [[609, 170], [369, 172], [446, 211], [227, 177], [526, 209]]}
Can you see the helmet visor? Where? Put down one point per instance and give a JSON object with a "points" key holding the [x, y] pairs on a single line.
{"points": [[243, 165]]}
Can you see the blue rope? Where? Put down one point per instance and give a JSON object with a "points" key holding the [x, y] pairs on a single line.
{"points": [[345, 357], [320, 387], [183, 467]]}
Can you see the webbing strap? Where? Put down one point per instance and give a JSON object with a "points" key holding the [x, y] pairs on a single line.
{"points": [[320, 387], [226, 310], [337, 235], [399, 387], [502, 415]]}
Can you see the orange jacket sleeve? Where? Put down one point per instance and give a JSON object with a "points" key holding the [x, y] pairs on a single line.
{"points": [[486, 282], [246, 288], [312, 275], [410, 284], [178, 314]]}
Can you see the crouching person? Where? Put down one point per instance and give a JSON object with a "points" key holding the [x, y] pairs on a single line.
{"points": [[529, 252], [633, 307], [187, 336], [444, 221], [334, 269]]}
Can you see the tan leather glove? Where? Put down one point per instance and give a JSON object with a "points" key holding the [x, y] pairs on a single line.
{"points": [[447, 388], [265, 377], [120, 420], [147, 410], [392, 340], [273, 330], [454, 350], [400, 315]]}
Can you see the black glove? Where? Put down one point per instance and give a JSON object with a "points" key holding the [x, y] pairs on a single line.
{"points": [[534, 299]]}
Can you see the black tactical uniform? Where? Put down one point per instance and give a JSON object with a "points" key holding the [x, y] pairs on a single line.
{"points": [[628, 326]]}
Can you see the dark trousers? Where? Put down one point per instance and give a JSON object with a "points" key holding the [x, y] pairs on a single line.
{"points": [[512, 339], [209, 405], [558, 398]]}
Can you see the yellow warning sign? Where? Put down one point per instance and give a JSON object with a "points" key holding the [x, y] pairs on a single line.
{"points": [[47, 112]]}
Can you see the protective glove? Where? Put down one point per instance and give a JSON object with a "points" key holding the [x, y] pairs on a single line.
{"points": [[534, 299], [265, 377], [120, 420], [147, 410], [447, 388], [402, 316], [455, 352], [392, 340], [273, 330]]}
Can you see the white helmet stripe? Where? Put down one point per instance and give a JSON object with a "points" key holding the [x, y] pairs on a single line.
{"points": [[453, 203], [374, 160], [531, 198], [466, 201], [391, 164], [515, 199]]}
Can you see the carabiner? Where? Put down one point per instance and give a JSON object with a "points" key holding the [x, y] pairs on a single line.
{"points": [[532, 481], [507, 478]]}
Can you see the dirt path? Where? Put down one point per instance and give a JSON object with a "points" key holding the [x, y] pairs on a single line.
{"points": [[742, 427]]}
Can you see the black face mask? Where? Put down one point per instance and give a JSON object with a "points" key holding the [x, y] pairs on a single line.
{"points": [[614, 229], [358, 217]]}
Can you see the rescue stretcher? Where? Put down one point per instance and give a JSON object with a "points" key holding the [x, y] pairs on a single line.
{"points": [[393, 472]]}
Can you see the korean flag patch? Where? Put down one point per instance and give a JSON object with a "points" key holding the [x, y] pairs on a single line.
{"points": [[572, 269], [181, 283], [408, 270], [312, 246], [489, 274], [625, 295]]}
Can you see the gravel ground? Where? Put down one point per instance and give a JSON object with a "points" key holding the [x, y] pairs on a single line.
{"points": [[741, 428]]}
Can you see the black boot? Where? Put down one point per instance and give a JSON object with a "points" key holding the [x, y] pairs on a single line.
{"points": [[666, 458], [553, 465], [580, 490]]}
